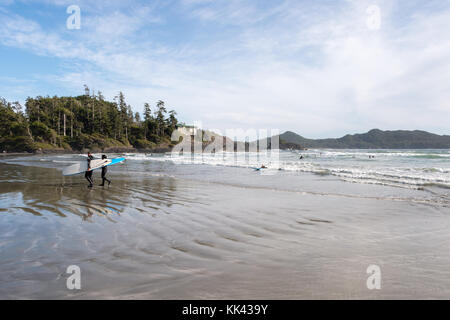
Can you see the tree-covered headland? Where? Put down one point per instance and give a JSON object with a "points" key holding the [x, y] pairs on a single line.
{"points": [[84, 122]]}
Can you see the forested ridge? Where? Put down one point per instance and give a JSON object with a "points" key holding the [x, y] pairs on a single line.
{"points": [[85, 122], [374, 139]]}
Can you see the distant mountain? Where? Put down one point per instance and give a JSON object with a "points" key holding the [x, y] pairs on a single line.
{"points": [[213, 140], [374, 139]]}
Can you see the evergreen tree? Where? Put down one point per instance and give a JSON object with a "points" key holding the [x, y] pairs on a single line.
{"points": [[81, 122], [160, 115]]}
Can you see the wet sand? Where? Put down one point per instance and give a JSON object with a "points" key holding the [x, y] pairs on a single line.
{"points": [[164, 234]]}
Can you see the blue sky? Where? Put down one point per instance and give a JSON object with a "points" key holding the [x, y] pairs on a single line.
{"points": [[314, 67]]}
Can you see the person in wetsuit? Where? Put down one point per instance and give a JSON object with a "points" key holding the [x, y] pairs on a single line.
{"points": [[88, 174], [104, 172]]}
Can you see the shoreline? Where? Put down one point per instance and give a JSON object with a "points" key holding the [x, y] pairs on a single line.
{"points": [[425, 173]]}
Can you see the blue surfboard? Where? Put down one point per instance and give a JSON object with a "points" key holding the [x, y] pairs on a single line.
{"points": [[115, 161]]}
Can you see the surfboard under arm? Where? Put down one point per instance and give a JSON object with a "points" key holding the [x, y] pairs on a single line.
{"points": [[82, 166]]}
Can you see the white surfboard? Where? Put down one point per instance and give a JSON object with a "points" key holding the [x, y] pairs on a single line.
{"points": [[82, 166]]}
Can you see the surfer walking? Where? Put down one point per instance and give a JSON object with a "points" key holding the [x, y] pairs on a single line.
{"points": [[88, 174], [104, 172]]}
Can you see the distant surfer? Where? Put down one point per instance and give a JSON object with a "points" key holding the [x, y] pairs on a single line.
{"points": [[263, 167], [104, 172], [88, 174]]}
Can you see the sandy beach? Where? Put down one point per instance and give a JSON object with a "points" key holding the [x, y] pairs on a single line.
{"points": [[166, 231]]}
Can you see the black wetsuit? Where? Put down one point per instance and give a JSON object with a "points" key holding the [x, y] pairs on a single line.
{"points": [[88, 174], [104, 172]]}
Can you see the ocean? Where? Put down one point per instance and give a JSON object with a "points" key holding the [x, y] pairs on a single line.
{"points": [[211, 226], [405, 168]]}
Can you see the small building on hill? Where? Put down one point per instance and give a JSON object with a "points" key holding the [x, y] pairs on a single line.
{"points": [[186, 130]]}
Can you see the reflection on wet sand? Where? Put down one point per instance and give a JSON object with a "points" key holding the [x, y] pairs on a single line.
{"points": [[46, 191]]}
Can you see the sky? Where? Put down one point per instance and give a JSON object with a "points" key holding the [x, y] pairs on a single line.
{"points": [[320, 68]]}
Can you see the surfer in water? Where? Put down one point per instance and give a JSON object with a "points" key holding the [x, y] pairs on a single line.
{"points": [[104, 172], [88, 174]]}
